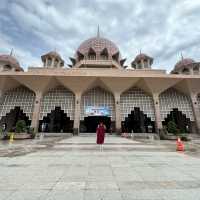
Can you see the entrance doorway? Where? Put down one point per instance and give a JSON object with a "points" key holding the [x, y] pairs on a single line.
{"points": [[56, 122], [138, 122], [13, 117], [183, 123], [90, 123]]}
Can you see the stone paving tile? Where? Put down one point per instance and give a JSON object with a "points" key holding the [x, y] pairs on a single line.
{"points": [[4, 195], [102, 185], [63, 195], [64, 186], [102, 195], [28, 195], [90, 174]]}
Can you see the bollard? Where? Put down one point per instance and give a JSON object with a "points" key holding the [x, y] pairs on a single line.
{"points": [[179, 145]]}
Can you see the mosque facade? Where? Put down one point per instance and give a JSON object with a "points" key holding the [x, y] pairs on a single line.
{"points": [[97, 86]]}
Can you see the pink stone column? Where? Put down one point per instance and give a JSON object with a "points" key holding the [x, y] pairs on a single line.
{"points": [[117, 112], [196, 110], [158, 119], [36, 111], [77, 113]]}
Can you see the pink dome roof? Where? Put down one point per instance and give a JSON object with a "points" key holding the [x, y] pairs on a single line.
{"points": [[142, 56], [98, 44], [11, 61], [184, 62], [51, 54]]}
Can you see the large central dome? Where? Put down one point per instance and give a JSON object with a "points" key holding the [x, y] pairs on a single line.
{"points": [[97, 52], [98, 44]]}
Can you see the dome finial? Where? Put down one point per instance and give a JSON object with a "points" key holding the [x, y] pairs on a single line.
{"points": [[182, 56], [11, 52], [98, 31]]}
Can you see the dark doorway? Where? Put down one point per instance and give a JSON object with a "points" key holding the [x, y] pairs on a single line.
{"points": [[182, 122], [56, 122], [90, 123], [13, 117], [138, 122]]}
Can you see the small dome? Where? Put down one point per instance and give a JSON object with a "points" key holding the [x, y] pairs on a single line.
{"points": [[184, 62], [98, 44], [10, 60], [51, 54], [142, 56]]}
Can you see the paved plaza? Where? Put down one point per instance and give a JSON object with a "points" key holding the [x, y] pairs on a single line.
{"points": [[74, 169]]}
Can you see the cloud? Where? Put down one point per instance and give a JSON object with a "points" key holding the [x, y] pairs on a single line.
{"points": [[161, 29]]}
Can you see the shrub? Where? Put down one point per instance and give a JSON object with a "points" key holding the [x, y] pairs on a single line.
{"points": [[172, 127], [32, 132], [20, 126]]}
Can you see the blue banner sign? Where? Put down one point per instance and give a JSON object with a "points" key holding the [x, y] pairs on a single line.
{"points": [[97, 111]]}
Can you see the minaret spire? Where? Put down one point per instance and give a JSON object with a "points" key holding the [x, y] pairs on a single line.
{"points": [[11, 52], [98, 31], [182, 56]]}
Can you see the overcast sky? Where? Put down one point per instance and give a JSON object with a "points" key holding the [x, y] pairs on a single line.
{"points": [[162, 29]]}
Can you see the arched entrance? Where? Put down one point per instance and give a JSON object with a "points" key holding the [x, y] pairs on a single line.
{"points": [[138, 122], [13, 117], [56, 122], [97, 105], [137, 111], [57, 110], [176, 106], [17, 104], [91, 123], [183, 123]]}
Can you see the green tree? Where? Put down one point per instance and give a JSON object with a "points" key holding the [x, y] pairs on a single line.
{"points": [[20, 126], [172, 127]]}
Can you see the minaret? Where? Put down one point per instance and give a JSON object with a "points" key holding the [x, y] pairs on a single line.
{"points": [[98, 32], [52, 60], [142, 61]]}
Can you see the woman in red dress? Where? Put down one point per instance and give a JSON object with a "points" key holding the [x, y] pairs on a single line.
{"points": [[101, 129]]}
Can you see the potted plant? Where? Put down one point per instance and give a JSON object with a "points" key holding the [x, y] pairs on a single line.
{"points": [[21, 130]]}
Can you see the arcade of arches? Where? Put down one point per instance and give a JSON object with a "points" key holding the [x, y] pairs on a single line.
{"points": [[57, 109]]}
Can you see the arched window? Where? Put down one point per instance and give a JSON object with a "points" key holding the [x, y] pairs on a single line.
{"points": [[56, 63], [146, 63], [91, 54], [80, 56], [116, 57], [186, 71], [139, 65], [196, 70], [7, 67], [104, 54], [49, 60]]}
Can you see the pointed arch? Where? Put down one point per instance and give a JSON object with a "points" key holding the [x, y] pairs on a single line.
{"points": [[91, 54], [80, 57], [104, 54], [186, 71], [173, 99], [98, 97], [58, 97], [136, 97], [11, 118], [196, 70], [116, 57], [21, 97], [56, 121]]}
